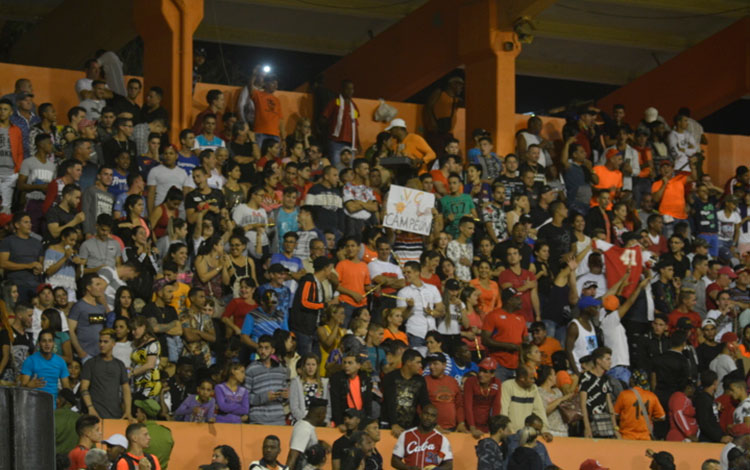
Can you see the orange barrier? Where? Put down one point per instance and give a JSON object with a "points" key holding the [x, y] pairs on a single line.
{"points": [[194, 443], [725, 152]]}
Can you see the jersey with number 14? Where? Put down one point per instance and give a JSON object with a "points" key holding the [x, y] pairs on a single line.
{"points": [[618, 260]]}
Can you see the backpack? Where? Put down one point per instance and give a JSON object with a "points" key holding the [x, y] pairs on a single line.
{"points": [[133, 463]]}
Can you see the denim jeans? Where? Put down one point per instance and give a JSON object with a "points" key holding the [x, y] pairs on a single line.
{"points": [[503, 373], [307, 344], [713, 243], [7, 185], [174, 348], [555, 331]]}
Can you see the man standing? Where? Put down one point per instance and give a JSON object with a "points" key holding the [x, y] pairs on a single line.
{"points": [[491, 451], [423, 446], [520, 398], [325, 199], [163, 177], [138, 440], [11, 155], [303, 434], [269, 118], [503, 331], [25, 118], [89, 432], [385, 274], [423, 304], [637, 408], [120, 142], [360, 204], [596, 399], [104, 380], [35, 175], [354, 278], [411, 145], [152, 109], [309, 301], [348, 422], [266, 380], [461, 250], [97, 200], [21, 257], [163, 318], [22, 345], [525, 284], [87, 318], [403, 390], [445, 394], [682, 144], [44, 368], [351, 389], [342, 118], [216, 103]]}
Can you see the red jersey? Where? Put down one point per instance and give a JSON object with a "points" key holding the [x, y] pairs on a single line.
{"points": [[77, 457], [506, 328], [446, 395], [516, 282], [694, 318], [617, 260], [237, 309], [481, 403], [422, 450], [682, 422]]}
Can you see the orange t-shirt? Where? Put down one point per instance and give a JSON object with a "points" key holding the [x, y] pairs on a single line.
{"points": [[415, 147], [489, 299], [77, 457], [369, 254], [548, 348], [354, 397], [438, 175], [505, 327], [267, 113], [632, 422], [122, 464], [563, 378], [399, 336], [607, 179], [353, 276], [673, 199]]}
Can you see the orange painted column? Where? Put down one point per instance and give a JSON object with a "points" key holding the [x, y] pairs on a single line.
{"points": [[167, 28], [489, 55]]}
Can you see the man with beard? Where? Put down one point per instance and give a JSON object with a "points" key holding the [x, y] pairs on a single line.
{"points": [[423, 446]]}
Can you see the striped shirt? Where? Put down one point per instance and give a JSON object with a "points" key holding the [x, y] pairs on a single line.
{"points": [[259, 380]]}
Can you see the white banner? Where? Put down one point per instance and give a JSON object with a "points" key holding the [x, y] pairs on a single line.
{"points": [[409, 210]]}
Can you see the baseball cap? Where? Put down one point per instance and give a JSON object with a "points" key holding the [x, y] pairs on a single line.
{"points": [[650, 114], [488, 364], [591, 464], [590, 284], [398, 122], [729, 337], [151, 407], [587, 301], [611, 303], [613, 152], [316, 402], [525, 219], [742, 270], [353, 413], [278, 268], [41, 287], [435, 357], [547, 189], [23, 95], [684, 323], [728, 271], [479, 132], [116, 440], [160, 283], [452, 284], [85, 123], [708, 322], [665, 460], [508, 293]]}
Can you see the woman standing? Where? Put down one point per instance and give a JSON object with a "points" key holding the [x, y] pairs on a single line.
{"points": [[123, 342], [330, 332], [123, 306], [308, 384], [213, 269], [234, 194], [51, 321], [243, 267], [520, 205], [582, 242], [232, 398], [142, 253], [133, 209], [145, 360], [552, 397], [167, 210], [472, 334], [450, 325], [619, 219], [489, 291], [178, 253], [61, 261]]}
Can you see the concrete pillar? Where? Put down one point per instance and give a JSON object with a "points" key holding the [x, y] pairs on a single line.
{"points": [[489, 55], [167, 28]]}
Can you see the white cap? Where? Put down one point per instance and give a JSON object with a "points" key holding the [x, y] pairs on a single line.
{"points": [[650, 114], [707, 322], [117, 440], [398, 122]]}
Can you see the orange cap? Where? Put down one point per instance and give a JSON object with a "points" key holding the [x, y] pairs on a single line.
{"points": [[611, 303]]}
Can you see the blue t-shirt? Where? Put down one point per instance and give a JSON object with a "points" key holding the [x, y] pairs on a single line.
{"points": [[258, 323], [459, 372], [282, 293], [202, 143], [188, 163], [51, 370], [286, 222], [119, 183]]}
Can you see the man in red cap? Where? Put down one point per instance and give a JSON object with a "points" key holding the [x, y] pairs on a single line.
{"points": [[591, 464], [481, 397], [724, 279]]}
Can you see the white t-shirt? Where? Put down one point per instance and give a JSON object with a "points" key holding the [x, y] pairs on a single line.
{"points": [[724, 327], [377, 268], [742, 411], [303, 436], [164, 178], [244, 215], [726, 224], [419, 323], [615, 337], [84, 84]]}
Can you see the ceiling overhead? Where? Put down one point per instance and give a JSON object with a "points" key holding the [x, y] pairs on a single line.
{"points": [[604, 41]]}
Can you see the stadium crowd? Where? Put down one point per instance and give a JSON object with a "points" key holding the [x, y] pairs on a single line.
{"points": [[597, 286]]}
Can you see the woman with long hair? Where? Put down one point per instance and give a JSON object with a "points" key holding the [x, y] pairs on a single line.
{"points": [[306, 385], [213, 268], [123, 306], [51, 321], [619, 223], [552, 398], [489, 291], [61, 262], [145, 359], [166, 211], [178, 253], [177, 232], [9, 292], [234, 193], [544, 275], [302, 133], [123, 349], [456, 318], [472, 333], [285, 347], [133, 207], [581, 240], [141, 253], [226, 455], [232, 398], [393, 318], [272, 197], [330, 332], [242, 265]]}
